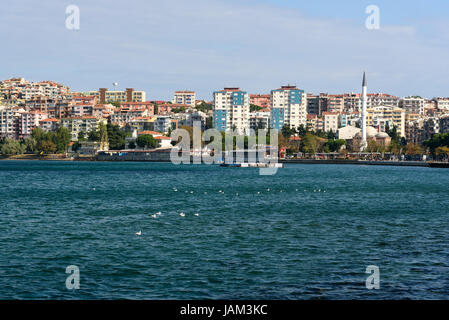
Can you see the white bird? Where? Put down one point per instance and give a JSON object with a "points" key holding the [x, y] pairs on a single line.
{"points": [[258, 192], [191, 191], [175, 190], [159, 213], [139, 233], [153, 216], [93, 189], [268, 189], [196, 214], [182, 214], [220, 191]]}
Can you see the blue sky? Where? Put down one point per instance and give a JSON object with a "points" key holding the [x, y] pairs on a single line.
{"points": [[204, 45]]}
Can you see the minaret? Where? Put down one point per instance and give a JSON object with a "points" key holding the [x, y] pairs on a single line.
{"points": [[363, 144]]}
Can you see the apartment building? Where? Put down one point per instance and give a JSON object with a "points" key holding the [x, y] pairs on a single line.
{"points": [[49, 124], [231, 110], [184, 97], [413, 105], [382, 117], [260, 119], [129, 95], [330, 121], [442, 103], [28, 121], [261, 100], [85, 124], [125, 114], [353, 101], [288, 107], [8, 123]]}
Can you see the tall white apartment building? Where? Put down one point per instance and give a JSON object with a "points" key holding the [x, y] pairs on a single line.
{"points": [[184, 97], [231, 110], [442, 103], [413, 105], [288, 107]]}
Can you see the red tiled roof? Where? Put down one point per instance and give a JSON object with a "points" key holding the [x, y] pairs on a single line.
{"points": [[50, 120], [149, 132]]}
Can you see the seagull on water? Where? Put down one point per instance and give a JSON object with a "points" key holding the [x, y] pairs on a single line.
{"points": [[159, 213], [153, 216], [196, 214], [139, 233], [182, 214]]}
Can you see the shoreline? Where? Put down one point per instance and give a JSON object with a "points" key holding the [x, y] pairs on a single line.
{"points": [[292, 161]]}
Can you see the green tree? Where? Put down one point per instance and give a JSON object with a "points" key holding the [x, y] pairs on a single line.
{"points": [[116, 104], [301, 130], [116, 137], [335, 145], [12, 147], [442, 151], [94, 135], [204, 107], [62, 139], [254, 107], [30, 144], [179, 109], [47, 146], [38, 134], [413, 149], [146, 141], [81, 136], [309, 143], [287, 132]]}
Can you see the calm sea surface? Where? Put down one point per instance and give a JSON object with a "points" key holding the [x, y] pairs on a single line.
{"points": [[247, 242]]}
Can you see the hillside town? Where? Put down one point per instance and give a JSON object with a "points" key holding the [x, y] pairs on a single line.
{"points": [[309, 123]]}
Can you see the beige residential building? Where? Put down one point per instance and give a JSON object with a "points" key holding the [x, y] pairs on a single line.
{"points": [[129, 95], [382, 117], [413, 105], [330, 121], [184, 97], [84, 124]]}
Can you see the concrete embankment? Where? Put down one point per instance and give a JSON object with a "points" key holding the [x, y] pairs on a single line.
{"points": [[360, 162]]}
